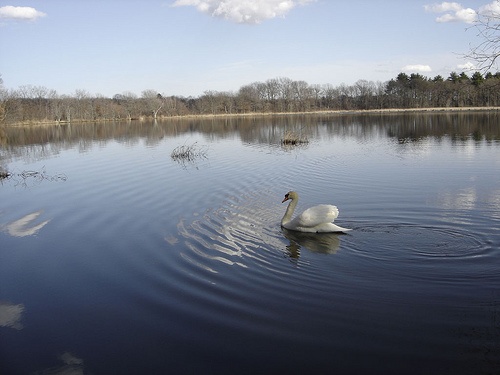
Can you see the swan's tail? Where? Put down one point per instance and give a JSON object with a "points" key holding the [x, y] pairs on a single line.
{"points": [[332, 228]]}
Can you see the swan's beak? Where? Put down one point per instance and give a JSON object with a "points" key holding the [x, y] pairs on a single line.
{"points": [[284, 200]]}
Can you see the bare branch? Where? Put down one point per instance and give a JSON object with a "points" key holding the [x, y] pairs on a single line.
{"points": [[487, 52]]}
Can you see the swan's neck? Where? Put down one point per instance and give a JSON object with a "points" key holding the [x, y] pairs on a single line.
{"points": [[289, 211]]}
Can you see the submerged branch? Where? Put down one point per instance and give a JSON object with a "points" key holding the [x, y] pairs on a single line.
{"points": [[188, 153], [293, 139], [36, 176]]}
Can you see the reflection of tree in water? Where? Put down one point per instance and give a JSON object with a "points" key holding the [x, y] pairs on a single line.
{"points": [[4, 173], [3, 136], [40, 142], [459, 127]]}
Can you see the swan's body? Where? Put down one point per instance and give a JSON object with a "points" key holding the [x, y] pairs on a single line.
{"points": [[317, 219]]}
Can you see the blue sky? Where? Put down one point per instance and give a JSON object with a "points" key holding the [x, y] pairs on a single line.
{"points": [[186, 47]]}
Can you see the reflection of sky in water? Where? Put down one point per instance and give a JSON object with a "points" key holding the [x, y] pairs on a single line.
{"points": [[22, 228], [468, 199], [469, 150], [72, 366], [10, 315], [494, 201], [461, 200]]}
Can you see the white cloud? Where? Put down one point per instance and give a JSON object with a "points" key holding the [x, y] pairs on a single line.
{"points": [[20, 13], [418, 68], [490, 10], [243, 11], [466, 66], [443, 7], [453, 12]]}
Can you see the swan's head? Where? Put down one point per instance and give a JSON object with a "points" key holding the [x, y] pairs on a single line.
{"points": [[290, 195]]}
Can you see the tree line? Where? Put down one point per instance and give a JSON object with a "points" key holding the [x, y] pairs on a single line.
{"points": [[278, 95]]}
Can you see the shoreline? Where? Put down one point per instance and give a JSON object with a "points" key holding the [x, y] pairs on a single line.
{"points": [[267, 114]]}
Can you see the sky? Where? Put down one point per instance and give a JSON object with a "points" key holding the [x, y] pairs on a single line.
{"points": [[187, 47]]}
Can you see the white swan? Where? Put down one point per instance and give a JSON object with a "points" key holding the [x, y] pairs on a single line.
{"points": [[317, 219]]}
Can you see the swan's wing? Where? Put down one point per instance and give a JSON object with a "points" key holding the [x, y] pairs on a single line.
{"points": [[324, 213]]}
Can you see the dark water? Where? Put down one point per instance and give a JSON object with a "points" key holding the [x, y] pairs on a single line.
{"points": [[117, 259]]}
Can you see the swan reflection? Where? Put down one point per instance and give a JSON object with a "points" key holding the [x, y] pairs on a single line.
{"points": [[10, 315], [324, 243], [22, 228]]}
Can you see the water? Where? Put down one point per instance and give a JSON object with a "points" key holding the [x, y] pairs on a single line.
{"points": [[115, 258]]}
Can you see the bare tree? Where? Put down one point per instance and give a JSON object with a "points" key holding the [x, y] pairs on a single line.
{"points": [[302, 95], [331, 95], [127, 100], [363, 90], [248, 98], [316, 91], [285, 93], [210, 102], [272, 91], [487, 52], [82, 107], [3, 95], [154, 101]]}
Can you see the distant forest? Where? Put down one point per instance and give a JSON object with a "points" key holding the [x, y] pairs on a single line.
{"points": [[33, 104]]}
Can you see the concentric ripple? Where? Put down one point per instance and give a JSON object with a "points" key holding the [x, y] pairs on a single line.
{"points": [[419, 242], [434, 255]]}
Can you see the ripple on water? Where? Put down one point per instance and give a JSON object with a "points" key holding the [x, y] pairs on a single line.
{"points": [[236, 233], [244, 234], [418, 242], [438, 254], [234, 255]]}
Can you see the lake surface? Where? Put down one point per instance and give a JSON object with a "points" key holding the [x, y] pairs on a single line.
{"points": [[116, 258]]}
